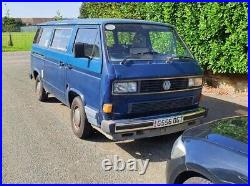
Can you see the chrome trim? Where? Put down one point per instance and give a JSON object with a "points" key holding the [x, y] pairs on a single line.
{"points": [[102, 132], [37, 55], [197, 111], [91, 115], [158, 92], [145, 93]]}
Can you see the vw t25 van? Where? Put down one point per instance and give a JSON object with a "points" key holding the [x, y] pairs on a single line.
{"points": [[127, 79]]}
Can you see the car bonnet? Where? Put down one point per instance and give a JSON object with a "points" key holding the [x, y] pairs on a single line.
{"points": [[231, 133]]}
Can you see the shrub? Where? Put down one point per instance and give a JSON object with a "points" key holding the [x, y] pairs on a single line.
{"points": [[216, 33]]}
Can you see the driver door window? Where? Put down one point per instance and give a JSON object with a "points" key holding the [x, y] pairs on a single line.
{"points": [[90, 37]]}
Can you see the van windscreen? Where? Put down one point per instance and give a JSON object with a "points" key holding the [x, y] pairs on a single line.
{"points": [[143, 42]]}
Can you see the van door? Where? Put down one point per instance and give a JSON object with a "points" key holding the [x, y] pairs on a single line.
{"points": [[83, 74], [56, 57]]}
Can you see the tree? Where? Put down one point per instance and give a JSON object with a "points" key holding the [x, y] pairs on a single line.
{"points": [[216, 33], [8, 25], [58, 16]]}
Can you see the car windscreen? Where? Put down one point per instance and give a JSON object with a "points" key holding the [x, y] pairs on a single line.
{"points": [[236, 128], [143, 42]]}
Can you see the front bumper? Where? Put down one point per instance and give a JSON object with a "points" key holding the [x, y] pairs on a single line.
{"points": [[143, 127]]}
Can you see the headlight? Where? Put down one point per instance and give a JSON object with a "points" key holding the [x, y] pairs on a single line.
{"points": [[124, 87], [178, 149], [195, 82]]}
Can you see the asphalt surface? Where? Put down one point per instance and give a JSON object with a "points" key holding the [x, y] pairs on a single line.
{"points": [[40, 147]]}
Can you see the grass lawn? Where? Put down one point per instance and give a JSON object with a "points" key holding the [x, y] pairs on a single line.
{"points": [[22, 41]]}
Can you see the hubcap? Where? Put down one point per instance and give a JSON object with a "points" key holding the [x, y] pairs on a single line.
{"points": [[76, 117]]}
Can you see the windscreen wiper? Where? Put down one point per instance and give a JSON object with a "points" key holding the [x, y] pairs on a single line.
{"points": [[185, 57], [139, 53], [148, 52], [169, 59], [125, 59]]}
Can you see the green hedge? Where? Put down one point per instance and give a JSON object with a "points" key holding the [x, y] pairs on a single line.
{"points": [[216, 33]]}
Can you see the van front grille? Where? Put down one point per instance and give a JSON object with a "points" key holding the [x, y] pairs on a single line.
{"points": [[164, 105], [148, 86]]}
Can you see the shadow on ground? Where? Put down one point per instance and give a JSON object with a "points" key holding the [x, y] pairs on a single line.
{"points": [[158, 149]]}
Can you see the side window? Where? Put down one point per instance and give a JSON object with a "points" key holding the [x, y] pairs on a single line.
{"points": [[90, 37], [38, 35], [45, 37], [61, 39]]}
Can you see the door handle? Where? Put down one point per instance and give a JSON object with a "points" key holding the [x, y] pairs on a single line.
{"points": [[61, 64], [69, 66]]}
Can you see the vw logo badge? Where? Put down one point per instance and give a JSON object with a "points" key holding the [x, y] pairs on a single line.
{"points": [[166, 85]]}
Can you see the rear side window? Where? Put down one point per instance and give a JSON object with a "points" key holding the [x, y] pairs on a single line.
{"points": [[38, 35], [61, 39], [90, 37], [45, 37]]}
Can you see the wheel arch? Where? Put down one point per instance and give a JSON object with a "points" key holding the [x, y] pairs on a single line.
{"points": [[194, 170], [35, 73], [71, 94], [186, 175]]}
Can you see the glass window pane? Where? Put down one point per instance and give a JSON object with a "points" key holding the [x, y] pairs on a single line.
{"points": [[110, 38], [162, 42], [126, 38], [61, 39], [45, 37], [144, 42], [90, 37]]}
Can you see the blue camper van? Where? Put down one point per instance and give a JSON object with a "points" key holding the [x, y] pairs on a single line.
{"points": [[127, 79]]}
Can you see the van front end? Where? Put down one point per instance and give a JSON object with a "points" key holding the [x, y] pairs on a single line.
{"points": [[152, 110], [156, 83]]}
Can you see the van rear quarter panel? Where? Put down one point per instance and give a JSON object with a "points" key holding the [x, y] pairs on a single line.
{"points": [[37, 59]]}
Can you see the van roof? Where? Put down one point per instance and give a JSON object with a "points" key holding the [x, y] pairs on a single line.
{"points": [[99, 22]]}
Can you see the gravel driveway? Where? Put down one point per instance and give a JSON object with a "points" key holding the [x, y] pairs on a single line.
{"points": [[40, 147]]}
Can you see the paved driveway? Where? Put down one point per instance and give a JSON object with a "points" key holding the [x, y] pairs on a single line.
{"points": [[39, 146]]}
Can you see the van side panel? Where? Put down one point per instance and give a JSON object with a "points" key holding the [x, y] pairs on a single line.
{"points": [[84, 76], [37, 60]]}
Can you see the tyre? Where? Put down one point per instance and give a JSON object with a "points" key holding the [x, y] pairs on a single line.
{"points": [[80, 125], [40, 91], [197, 180]]}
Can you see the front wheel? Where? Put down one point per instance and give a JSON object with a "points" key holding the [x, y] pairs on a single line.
{"points": [[197, 180], [40, 91], [80, 125]]}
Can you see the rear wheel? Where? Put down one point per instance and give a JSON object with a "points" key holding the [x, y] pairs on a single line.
{"points": [[40, 91], [80, 125], [197, 180]]}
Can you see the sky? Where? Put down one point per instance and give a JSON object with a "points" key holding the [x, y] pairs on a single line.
{"points": [[41, 9]]}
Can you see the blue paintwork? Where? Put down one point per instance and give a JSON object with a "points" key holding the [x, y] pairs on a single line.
{"points": [[219, 158], [92, 80], [175, 69]]}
